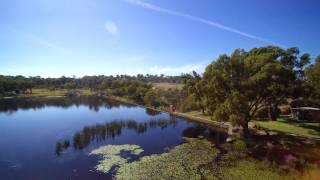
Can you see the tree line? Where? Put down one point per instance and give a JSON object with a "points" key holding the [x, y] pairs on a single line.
{"points": [[21, 84], [137, 88]]}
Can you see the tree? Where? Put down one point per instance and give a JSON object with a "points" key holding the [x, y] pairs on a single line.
{"points": [[291, 60], [196, 88], [239, 85], [313, 80], [151, 99]]}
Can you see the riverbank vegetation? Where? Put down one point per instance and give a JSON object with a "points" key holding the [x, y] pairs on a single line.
{"points": [[198, 158]]}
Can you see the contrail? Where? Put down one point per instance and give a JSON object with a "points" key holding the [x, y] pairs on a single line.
{"points": [[197, 19], [38, 40]]}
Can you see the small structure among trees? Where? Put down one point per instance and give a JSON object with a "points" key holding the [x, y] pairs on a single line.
{"points": [[306, 113], [172, 108]]}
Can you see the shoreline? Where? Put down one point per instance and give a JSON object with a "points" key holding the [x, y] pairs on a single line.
{"points": [[208, 122], [214, 124], [224, 126]]}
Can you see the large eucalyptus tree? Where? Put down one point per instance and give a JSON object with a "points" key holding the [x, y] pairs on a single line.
{"points": [[239, 85]]}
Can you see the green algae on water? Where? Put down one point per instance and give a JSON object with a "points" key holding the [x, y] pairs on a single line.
{"points": [[112, 155], [181, 162], [194, 159]]}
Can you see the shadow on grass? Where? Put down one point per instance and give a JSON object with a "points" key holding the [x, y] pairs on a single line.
{"points": [[316, 129], [312, 125], [289, 153]]}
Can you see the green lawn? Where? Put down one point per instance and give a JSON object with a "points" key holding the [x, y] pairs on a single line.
{"points": [[310, 129], [291, 126]]}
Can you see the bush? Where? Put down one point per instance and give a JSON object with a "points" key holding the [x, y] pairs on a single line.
{"points": [[188, 104], [152, 99], [72, 93]]}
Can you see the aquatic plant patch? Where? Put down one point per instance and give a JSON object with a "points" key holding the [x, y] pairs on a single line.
{"points": [[195, 159], [181, 162], [112, 155]]}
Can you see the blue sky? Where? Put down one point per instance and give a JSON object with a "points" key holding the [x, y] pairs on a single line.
{"points": [[52, 38]]}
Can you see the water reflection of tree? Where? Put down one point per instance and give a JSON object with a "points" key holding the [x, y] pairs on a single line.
{"points": [[217, 136], [101, 132], [61, 146], [152, 112], [92, 102]]}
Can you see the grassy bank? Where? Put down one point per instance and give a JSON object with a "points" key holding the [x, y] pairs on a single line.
{"points": [[194, 115], [199, 117], [289, 126], [309, 129], [122, 99], [197, 114]]}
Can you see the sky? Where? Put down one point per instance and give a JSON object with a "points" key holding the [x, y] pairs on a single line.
{"points": [[52, 38]]}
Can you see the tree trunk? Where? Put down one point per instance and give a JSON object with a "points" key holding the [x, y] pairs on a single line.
{"points": [[245, 130], [202, 110], [240, 131], [272, 112]]}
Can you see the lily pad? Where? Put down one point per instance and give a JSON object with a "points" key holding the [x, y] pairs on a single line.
{"points": [[181, 162], [112, 155]]}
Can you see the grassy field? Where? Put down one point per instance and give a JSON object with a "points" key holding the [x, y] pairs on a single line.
{"points": [[309, 129], [56, 92], [292, 127], [167, 85]]}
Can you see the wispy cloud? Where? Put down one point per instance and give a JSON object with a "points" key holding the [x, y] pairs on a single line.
{"points": [[111, 27], [198, 19]]}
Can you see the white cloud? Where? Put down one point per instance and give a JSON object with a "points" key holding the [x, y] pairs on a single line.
{"points": [[111, 27], [177, 70], [198, 19]]}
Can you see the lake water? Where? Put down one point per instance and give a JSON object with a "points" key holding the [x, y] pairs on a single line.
{"points": [[51, 138]]}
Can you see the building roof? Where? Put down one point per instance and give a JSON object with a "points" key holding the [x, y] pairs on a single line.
{"points": [[307, 108]]}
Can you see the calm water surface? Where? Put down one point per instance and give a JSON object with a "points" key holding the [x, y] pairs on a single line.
{"points": [[50, 138]]}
